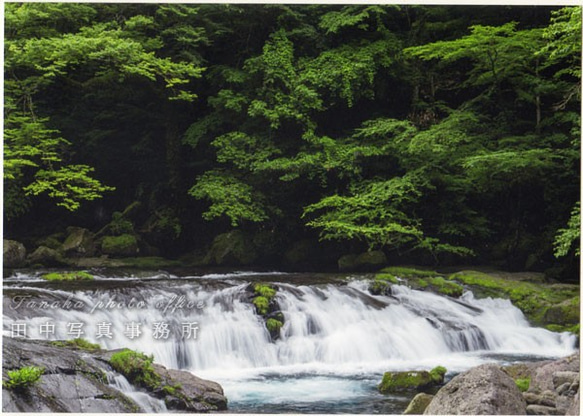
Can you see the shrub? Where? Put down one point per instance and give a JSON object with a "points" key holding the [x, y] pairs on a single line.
{"points": [[23, 378], [67, 276], [136, 367]]}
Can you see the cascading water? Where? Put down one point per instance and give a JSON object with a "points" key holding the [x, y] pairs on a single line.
{"points": [[336, 342]]}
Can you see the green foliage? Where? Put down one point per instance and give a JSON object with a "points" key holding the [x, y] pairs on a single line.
{"points": [[67, 276], [262, 304], [229, 196], [120, 225], [136, 367], [570, 236], [523, 384], [23, 378], [78, 343]]}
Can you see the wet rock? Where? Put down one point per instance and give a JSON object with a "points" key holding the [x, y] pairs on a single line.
{"points": [[403, 381], [47, 257], [72, 381], [537, 409], [575, 407], [76, 380], [194, 394], [419, 403], [125, 245], [14, 254], [482, 390], [79, 243]]}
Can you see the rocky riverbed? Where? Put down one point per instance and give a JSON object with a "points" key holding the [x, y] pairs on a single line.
{"points": [[80, 380], [548, 388]]}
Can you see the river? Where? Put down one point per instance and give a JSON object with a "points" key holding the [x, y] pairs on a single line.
{"points": [[337, 340]]}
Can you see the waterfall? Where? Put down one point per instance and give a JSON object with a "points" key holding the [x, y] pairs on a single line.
{"points": [[146, 402], [330, 330]]}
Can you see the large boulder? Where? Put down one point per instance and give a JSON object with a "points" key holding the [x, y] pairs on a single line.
{"points": [[418, 405], [483, 390], [231, 249], [195, 394], [71, 382], [79, 243], [45, 256], [403, 381], [79, 378], [14, 254], [125, 245], [367, 261]]}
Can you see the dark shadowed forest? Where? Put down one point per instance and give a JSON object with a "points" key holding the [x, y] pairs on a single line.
{"points": [[433, 135]]}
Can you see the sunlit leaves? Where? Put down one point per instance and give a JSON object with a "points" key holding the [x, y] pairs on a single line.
{"points": [[569, 237], [230, 197]]}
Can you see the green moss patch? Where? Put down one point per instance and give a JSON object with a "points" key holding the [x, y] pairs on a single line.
{"points": [[399, 382], [523, 384], [261, 304], [273, 325], [67, 276], [77, 343], [120, 246], [136, 367], [445, 287], [405, 272]]}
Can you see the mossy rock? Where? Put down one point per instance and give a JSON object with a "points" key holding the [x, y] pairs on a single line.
{"points": [[261, 304], [533, 299], [124, 245], [445, 287], [406, 381], [367, 261], [232, 249], [136, 367], [418, 405], [407, 272], [67, 276]]}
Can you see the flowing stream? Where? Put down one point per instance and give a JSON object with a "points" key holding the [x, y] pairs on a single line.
{"points": [[336, 342]]}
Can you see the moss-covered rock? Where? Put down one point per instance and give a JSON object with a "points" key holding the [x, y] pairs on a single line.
{"points": [[231, 249], [46, 257], [14, 254], [398, 382], [367, 261], [543, 304], [125, 245], [416, 279], [80, 242]]}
